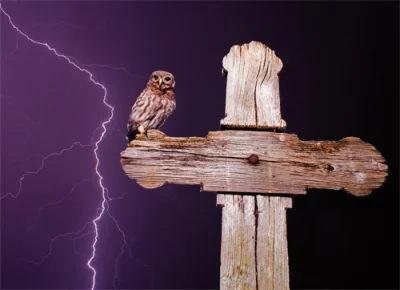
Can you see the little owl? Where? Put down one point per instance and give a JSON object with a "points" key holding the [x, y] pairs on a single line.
{"points": [[153, 106]]}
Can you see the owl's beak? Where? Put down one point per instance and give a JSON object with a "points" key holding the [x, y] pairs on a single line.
{"points": [[160, 82]]}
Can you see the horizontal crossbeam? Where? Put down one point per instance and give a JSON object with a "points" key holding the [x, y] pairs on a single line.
{"points": [[255, 162]]}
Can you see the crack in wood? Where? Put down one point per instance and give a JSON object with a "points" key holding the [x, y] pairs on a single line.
{"points": [[313, 165], [256, 239]]}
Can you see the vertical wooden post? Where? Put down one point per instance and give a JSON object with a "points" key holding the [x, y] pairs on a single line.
{"points": [[272, 249], [252, 89], [254, 252]]}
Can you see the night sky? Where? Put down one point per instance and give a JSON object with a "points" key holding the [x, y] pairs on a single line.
{"points": [[340, 78]]}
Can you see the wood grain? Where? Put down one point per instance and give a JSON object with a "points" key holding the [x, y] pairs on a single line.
{"points": [[252, 90], [287, 165], [254, 242], [238, 252], [272, 249]]}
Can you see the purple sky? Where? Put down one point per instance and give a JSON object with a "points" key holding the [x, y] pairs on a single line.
{"points": [[340, 78]]}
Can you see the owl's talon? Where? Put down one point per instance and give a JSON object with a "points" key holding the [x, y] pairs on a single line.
{"points": [[141, 129]]}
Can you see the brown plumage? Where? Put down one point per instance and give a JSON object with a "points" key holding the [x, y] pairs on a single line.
{"points": [[153, 106]]}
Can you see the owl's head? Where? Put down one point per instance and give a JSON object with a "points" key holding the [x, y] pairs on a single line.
{"points": [[162, 80]]}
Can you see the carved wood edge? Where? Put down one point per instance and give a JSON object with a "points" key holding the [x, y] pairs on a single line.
{"points": [[252, 89]]}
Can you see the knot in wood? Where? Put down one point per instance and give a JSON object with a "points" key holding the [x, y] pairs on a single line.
{"points": [[253, 159]]}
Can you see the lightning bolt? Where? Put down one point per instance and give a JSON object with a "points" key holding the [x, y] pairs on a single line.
{"points": [[42, 166], [72, 236], [104, 203], [106, 66]]}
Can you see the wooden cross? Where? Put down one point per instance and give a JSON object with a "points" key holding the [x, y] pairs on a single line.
{"points": [[249, 159]]}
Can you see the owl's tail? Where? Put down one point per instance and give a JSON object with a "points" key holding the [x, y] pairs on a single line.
{"points": [[131, 135], [132, 132]]}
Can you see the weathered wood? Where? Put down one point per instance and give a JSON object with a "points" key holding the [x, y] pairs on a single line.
{"points": [[238, 242], [254, 242], [272, 249], [287, 165], [252, 90]]}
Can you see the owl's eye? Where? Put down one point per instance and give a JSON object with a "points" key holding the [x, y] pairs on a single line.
{"points": [[167, 79], [155, 77]]}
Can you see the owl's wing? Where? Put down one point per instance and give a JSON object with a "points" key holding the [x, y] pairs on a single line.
{"points": [[145, 108]]}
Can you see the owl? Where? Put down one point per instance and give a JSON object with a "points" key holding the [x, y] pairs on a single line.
{"points": [[153, 106]]}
